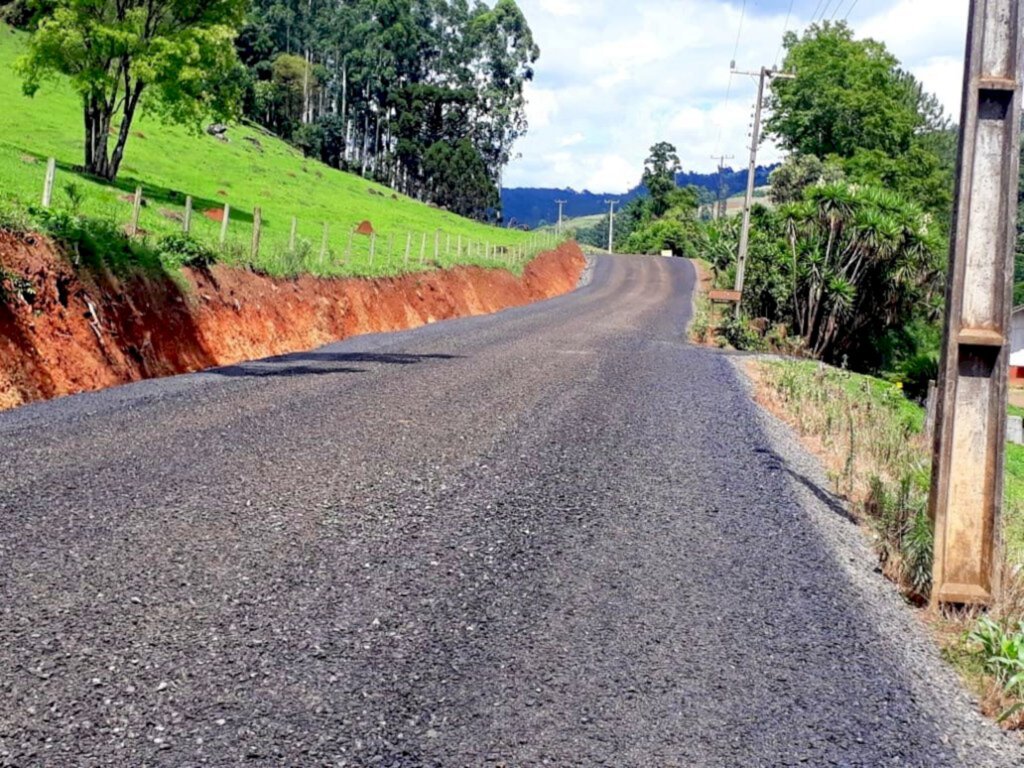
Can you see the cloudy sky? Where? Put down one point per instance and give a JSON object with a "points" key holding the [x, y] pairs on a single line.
{"points": [[615, 77]]}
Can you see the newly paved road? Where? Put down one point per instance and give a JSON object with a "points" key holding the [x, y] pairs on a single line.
{"points": [[555, 536]]}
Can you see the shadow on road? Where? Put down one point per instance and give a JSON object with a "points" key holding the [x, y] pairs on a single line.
{"points": [[823, 495], [321, 363]]}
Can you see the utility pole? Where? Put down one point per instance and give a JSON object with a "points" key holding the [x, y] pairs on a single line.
{"points": [[970, 435], [720, 209], [611, 224], [561, 206], [755, 138]]}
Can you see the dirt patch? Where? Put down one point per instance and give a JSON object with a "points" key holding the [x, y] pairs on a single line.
{"points": [[214, 214], [85, 332], [365, 228]]}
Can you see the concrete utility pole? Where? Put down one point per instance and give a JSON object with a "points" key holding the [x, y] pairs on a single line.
{"points": [[561, 207], [755, 138], [970, 435], [611, 224], [719, 210]]}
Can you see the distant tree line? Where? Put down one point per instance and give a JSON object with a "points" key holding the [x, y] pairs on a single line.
{"points": [[425, 96]]}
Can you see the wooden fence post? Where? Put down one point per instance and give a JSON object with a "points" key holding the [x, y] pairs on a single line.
{"points": [[448, 244], [133, 226], [423, 249], [459, 251], [291, 237], [224, 223], [373, 246], [186, 223], [408, 247], [257, 225], [324, 242], [348, 248], [437, 245], [51, 175]]}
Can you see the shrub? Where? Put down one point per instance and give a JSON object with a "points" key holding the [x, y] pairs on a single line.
{"points": [[182, 250], [1002, 652], [739, 334]]}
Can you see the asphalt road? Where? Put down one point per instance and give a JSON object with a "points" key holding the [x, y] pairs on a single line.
{"points": [[555, 536]]}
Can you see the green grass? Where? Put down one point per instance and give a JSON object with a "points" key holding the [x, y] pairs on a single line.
{"points": [[253, 169]]}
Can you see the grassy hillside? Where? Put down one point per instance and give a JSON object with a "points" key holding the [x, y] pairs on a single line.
{"points": [[251, 169]]}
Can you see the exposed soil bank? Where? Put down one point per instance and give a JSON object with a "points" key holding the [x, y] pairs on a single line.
{"points": [[83, 332]]}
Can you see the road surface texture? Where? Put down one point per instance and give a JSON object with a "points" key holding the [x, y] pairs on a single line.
{"points": [[555, 536]]}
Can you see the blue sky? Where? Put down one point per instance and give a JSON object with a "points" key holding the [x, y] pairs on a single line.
{"points": [[615, 77]]}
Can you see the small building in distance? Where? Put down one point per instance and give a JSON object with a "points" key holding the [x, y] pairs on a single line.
{"points": [[1017, 347]]}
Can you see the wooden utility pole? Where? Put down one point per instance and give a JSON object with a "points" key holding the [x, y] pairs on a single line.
{"points": [[611, 224], [970, 432], [561, 207], [721, 208], [755, 138]]}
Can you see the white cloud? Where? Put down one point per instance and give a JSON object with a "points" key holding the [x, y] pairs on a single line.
{"points": [[614, 78]]}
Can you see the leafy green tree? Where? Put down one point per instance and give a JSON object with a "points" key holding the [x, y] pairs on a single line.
{"points": [[851, 101], [180, 53], [459, 179], [848, 95], [797, 173], [659, 176]]}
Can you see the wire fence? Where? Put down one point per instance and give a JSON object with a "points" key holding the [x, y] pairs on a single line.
{"points": [[340, 248]]}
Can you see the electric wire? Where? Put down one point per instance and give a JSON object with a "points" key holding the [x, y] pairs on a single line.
{"points": [[850, 10], [732, 66], [785, 29]]}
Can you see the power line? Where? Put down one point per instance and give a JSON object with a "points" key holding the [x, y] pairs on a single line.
{"points": [[785, 29], [814, 15], [850, 10], [732, 66]]}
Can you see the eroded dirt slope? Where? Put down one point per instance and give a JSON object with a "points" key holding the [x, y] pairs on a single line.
{"points": [[85, 332]]}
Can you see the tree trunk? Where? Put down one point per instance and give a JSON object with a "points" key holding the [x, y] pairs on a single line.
{"points": [[130, 104], [305, 89], [97, 134], [98, 115]]}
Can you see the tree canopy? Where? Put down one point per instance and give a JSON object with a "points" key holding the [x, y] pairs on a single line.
{"points": [[179, 53], [851, 103], [407, 82]]}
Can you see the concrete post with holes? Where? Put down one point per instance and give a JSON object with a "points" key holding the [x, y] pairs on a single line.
{"points": [[292, 234], [970, 435], [408, 248], [51, 176], [423, 249], [186, 222]]}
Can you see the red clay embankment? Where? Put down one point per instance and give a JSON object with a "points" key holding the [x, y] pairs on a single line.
{"points": [[82, 332]]}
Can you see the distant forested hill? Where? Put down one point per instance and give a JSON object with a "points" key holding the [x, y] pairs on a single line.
{"points": [[533, 207]]}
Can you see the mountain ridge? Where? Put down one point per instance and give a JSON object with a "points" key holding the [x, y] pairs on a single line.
{"points": [[536, 206]]}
